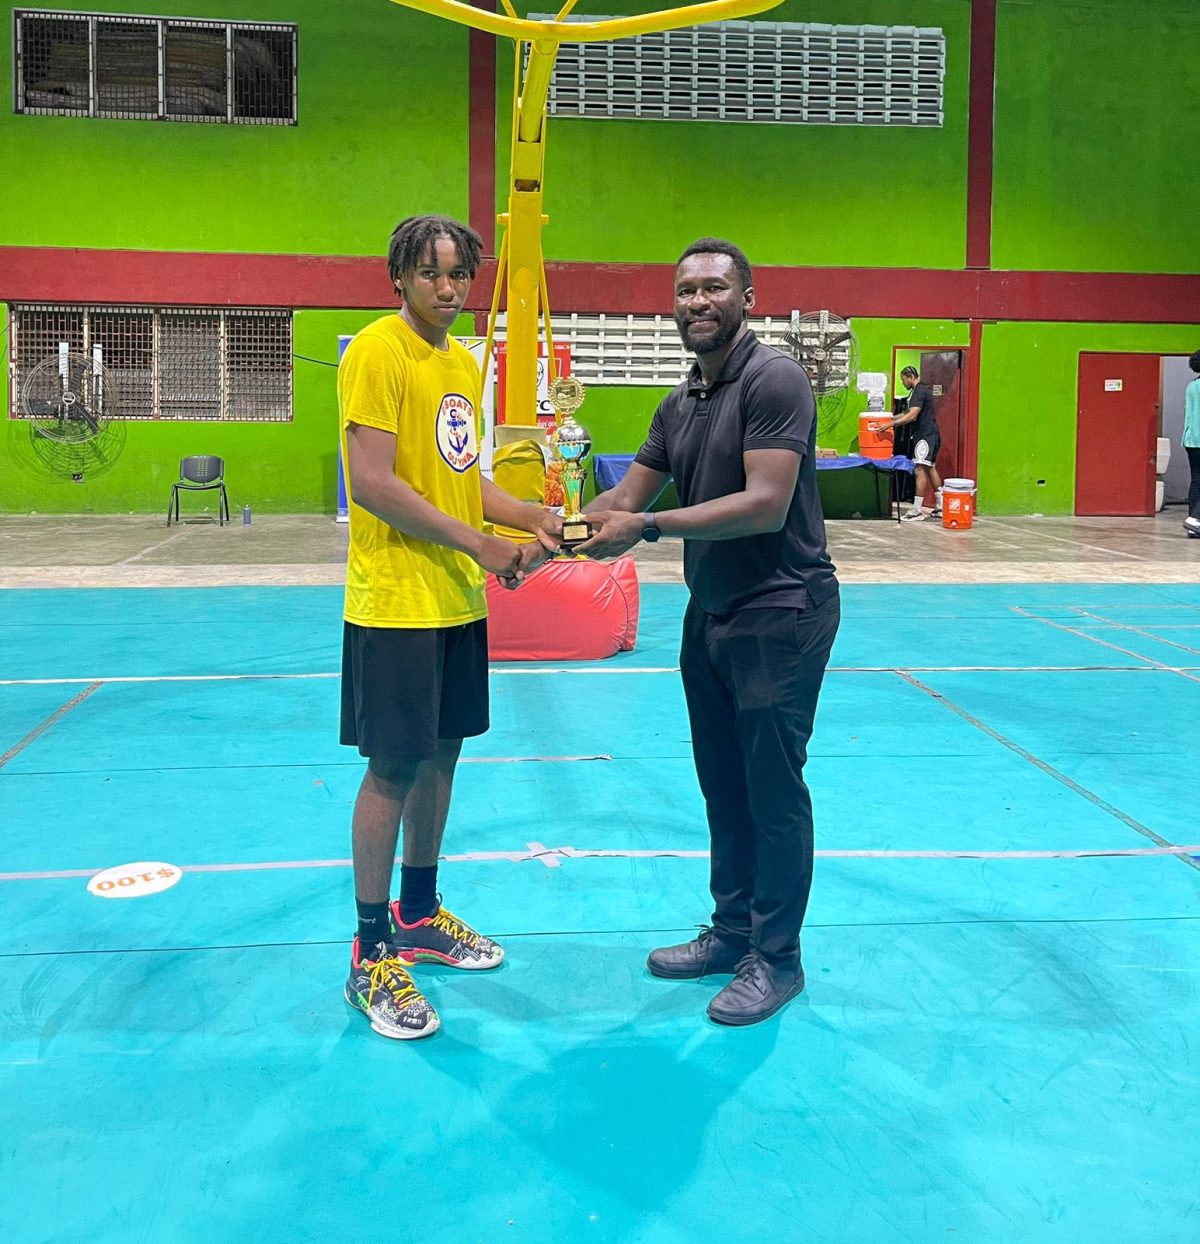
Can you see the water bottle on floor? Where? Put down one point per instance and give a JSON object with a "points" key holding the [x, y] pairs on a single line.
{"points": [[245, 516]]}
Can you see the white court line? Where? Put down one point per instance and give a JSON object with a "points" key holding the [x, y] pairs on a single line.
{"points": [[1137, 656], [1079, 544], [559, 670], [122, 678], [552, 857], [1136, 630], [154, 547]]}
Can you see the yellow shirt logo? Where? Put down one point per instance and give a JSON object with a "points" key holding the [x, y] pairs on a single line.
{"points": [[456, 439]]}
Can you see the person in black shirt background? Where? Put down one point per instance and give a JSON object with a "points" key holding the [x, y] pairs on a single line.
{"points": [[927, 441], [737, 436]]}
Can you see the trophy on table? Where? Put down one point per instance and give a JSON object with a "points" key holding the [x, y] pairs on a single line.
{"points": [[570, 444]]}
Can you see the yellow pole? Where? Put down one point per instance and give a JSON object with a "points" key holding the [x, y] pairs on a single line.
{"points": [[522, 28], [525, 220], [523, 226]]}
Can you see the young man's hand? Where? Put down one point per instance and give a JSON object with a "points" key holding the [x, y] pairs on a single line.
{"points": [[501, 557], [616, 532], [533, 555], [549, 532]]}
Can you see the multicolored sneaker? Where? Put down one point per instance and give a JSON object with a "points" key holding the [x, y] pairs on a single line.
{"points": [[384, 992], [444, 938]]}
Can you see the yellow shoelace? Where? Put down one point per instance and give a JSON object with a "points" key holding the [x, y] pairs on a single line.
{"points": [[388, 974], [454, 926]]}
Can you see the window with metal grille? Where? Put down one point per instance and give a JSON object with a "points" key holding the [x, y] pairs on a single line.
{"points": [[635, 350], [773, 72], [167, 362], [158, 68]]}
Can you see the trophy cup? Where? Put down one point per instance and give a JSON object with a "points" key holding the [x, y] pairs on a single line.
{"points": [[570, 443]]}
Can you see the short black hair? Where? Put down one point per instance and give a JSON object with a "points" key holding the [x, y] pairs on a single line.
{"points": [[718, 246], [910, 370], [1194, 362], [413, 239]]}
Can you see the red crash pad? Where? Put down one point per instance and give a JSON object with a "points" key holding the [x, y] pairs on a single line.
{"points": [[572, 609]]}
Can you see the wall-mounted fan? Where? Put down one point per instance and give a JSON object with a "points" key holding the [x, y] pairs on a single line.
{"points": [[70, 401], [827, 349]]}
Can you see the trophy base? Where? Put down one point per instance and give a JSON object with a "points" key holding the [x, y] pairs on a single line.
{"points": [[575, 531]]}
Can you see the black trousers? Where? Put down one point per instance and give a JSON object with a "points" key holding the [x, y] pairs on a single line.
{"points": [[751, 680], [1194, 487]]}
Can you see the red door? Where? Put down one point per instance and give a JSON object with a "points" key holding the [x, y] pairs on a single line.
{"points": [[942, 371], [1116, 433]]}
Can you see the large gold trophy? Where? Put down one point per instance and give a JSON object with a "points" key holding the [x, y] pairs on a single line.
{"points": [[570, 443]]}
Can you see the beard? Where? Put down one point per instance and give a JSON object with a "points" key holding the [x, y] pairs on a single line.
{"points": [[726, 330]]}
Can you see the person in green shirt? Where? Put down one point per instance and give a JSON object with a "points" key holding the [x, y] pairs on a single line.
{"points": [[1191, 445]]}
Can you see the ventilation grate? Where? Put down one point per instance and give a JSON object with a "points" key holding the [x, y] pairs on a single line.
{"points": [[154, 68], [634, 350], [182, 363], [765, 72]]}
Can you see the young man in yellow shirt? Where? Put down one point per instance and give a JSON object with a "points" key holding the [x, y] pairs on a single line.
{"points": [[414, 656]]}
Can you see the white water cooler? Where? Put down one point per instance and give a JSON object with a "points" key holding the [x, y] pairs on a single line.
{"points": [[1162, 461]]}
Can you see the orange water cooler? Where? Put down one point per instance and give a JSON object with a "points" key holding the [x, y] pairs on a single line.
{"points": [[958, 503], [872, 443]]}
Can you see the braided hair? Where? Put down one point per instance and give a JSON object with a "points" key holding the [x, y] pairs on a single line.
{"points": [[416, 238]]}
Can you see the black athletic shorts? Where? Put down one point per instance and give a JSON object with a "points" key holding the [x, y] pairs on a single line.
{"points": [[404, 689], [925, 450]]}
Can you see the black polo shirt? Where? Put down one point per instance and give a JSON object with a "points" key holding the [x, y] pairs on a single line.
{"points": [[761, 400]]}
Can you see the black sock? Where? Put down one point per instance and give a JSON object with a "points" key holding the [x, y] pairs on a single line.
{"points": [[418, 892], [373, 926]]}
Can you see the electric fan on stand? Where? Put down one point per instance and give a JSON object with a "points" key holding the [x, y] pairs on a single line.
{"points": [[70, 401], [825, 346]]}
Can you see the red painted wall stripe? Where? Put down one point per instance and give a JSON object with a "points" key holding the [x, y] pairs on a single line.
{"points": [[481, 156], [60, 274], [981, 133]]}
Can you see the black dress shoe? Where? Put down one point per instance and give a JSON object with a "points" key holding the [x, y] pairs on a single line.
{"points": [[703, 956], [757, 991]]}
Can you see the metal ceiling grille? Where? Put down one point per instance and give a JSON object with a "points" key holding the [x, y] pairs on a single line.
{"points": [[169, 362], [634, 350], [156, 68], [766, 72]]}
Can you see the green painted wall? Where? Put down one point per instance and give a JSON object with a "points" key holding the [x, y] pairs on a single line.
{"points": [[381, 134], [1096, 101], [1029, 405], [642, 190], [1097, 113]]}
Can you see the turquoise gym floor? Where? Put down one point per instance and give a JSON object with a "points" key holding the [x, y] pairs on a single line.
{"points": [[998, 1041]]}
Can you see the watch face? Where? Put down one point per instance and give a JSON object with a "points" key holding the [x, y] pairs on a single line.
{"points": [[650, 532]]}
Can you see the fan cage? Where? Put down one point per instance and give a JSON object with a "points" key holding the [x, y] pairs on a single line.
{"points": [[68, 398], [808, 335]]}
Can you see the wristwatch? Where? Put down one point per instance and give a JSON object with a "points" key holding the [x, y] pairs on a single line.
{"points": [[650, 531]]}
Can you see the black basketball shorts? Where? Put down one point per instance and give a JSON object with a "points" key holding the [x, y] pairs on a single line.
{"points": [[404, 689], [925, 451]]}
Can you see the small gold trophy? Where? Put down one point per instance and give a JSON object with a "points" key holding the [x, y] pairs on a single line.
{"points": [[570, 443]]}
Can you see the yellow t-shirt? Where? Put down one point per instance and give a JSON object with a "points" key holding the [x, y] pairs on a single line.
{"points": [[431, 399]]}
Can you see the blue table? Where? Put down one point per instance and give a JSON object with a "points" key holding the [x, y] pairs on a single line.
{"points": [[609, 470]]}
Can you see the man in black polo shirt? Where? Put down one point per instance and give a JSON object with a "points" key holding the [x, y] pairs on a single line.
{"points": [[737, 436], [927, 440]]}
